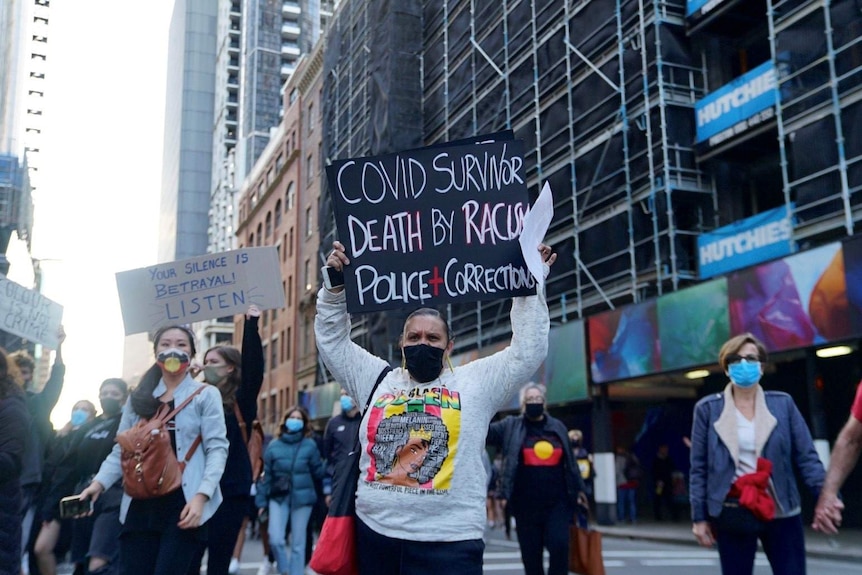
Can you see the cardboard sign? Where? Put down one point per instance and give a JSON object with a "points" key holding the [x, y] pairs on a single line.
{"points": [[28, 314], [431, 226], [205, 287]]}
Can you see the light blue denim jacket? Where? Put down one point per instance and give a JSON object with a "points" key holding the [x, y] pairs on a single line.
{"points": [[204, 416]]}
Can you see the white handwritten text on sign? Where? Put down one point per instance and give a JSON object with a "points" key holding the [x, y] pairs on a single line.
{"points": [[433, 225]]}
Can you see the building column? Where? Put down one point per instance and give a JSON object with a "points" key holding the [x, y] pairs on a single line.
{"points": [[604, 485], [814, 387]]}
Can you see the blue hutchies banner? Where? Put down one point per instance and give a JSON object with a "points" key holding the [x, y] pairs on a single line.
{"points": [[738, 106], [697, 8], [766, 236]]}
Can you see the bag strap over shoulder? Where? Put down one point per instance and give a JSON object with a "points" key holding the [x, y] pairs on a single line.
{"points": [[243, 428], [380, 378], [198, 439], [181, 406]]}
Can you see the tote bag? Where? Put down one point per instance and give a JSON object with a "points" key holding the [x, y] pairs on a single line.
{"points": [[335, 552]]}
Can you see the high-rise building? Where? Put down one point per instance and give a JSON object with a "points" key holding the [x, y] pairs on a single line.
{"points": [[188, 142], [258, 47]]}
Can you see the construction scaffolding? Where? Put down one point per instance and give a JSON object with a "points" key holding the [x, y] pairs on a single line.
{"points": [[603, 94]]}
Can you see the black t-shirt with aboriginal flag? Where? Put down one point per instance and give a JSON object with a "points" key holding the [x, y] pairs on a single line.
{"points": [[540, 480]]}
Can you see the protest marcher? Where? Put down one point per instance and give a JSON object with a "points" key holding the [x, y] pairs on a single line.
{"points": [[13, 418], [339, 437], [584, 459], [428, 457], [94, 542], [160, 535], [746, 446], [628, 473], [238, 376], [845, 454], [662, 476], [40, 404], [54, 534], [540, 480], [291, 463]]}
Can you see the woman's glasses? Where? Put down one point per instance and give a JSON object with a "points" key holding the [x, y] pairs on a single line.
{"points": [[731, 359]]}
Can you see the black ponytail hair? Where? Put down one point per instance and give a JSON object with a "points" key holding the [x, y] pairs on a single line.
{"points": [[143, 402]]}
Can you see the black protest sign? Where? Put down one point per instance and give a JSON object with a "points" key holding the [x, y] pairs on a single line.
{"points": [[432, 226]]}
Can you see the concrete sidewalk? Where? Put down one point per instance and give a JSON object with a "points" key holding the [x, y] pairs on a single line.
{"points": [[847, 545]]}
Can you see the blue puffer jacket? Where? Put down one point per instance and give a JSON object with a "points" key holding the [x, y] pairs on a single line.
{"points": [[781, 436], [292, 454]]}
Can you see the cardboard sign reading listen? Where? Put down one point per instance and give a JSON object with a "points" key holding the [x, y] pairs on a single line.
{"points": [[205, 287], [28, 314], [433, 225]]}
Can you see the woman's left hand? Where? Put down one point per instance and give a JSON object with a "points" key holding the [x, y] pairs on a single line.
{"points": [[190, 516], [548, 256]]}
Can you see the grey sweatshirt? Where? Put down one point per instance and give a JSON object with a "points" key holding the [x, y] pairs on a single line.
{"points": [[422, 477]]}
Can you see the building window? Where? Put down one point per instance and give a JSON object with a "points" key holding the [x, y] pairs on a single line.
{"points": [[284, 253], [251, 239], [306, 337], [273, 354], [289, 291], [310, 120], [264, 346], [289, 197], [309, 168], [307, 275], [287, 342], [292, 97], [277, 214], [259, 233], [268, 224], [283, 338], [308, 222], [290, 243], [279, 162]]}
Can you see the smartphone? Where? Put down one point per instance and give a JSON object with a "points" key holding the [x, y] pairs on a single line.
{"points": [[332, 278], [72, 506]]}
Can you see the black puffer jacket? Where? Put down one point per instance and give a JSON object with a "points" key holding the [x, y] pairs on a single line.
{"points": [[14, 423]]}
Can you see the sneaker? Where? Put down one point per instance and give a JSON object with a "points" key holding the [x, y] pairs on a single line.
{"points": [[264, 568], [233, 568]]}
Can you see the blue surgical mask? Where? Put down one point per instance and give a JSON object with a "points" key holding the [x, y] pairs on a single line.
{"points": [[744, 373], [79, 417], [346, 403], [293, 425]]}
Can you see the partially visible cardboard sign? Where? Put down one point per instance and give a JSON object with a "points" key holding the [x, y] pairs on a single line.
{"points": [[29, 314], [196, 289]]}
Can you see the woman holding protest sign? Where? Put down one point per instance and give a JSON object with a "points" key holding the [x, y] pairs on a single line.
{"points": [[161, 533], [433, 519], [238, 376]]}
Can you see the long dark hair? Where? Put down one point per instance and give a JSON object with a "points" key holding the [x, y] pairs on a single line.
{"points": [[232, 357], [143, 402], [306, 421], [8, 385]]}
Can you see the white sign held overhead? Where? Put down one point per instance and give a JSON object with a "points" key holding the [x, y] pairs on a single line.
{"points": [[536, 224], [196, 289], [29, 314]]}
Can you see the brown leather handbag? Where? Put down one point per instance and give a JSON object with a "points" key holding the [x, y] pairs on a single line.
{"points": [[585, 551], [149, 463]]}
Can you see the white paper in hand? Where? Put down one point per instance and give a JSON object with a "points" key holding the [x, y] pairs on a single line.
{"points": [[536, 224]]}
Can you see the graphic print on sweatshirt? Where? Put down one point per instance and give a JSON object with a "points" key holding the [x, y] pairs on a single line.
{"points": [[412, 439], [542, 451]]}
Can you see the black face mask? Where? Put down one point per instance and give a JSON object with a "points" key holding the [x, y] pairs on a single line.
{"points": [[424, 362], [111, 406], [534, 410]]}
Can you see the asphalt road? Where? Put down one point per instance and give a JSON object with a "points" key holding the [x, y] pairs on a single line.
{"points": [[621, 556]]}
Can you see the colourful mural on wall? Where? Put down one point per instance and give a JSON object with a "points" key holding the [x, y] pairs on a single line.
{"points": [[692, 325], [624, 343]]}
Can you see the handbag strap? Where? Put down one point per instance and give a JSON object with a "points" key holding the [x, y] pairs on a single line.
{"points": [[198, 439], [242, 426], [357, 445]]}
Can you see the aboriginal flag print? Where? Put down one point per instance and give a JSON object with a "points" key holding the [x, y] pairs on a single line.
{"points": [[540, 451]]}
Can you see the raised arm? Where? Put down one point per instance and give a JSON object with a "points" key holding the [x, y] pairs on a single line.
{"points": [[252, 367]]}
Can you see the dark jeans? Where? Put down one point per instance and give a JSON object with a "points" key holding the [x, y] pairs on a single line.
{"points": [[664, 499], [224, 528], [381, 555], [783, 542], [544, 528]]}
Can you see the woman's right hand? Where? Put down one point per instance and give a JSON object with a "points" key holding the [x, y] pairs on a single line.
{"points": [[703, 533], [337, 259], [92, 491]]}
